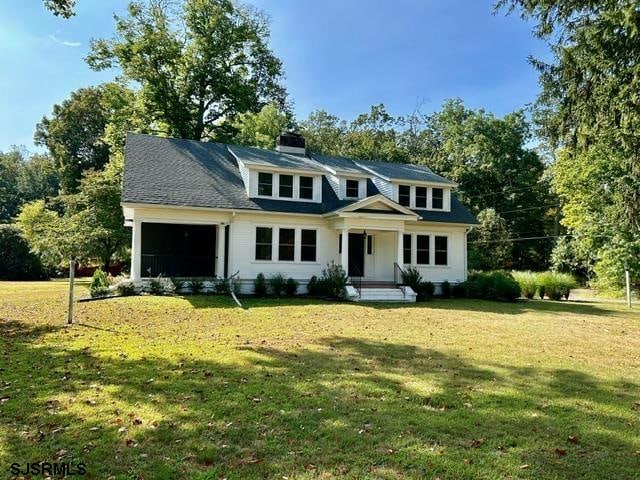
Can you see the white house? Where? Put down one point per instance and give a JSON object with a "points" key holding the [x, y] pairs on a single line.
{"points": [[203, 209]]}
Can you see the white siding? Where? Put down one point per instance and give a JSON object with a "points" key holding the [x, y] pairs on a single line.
{"points": [[244, 173], [335, 184], [242, 256], [455, 271]]}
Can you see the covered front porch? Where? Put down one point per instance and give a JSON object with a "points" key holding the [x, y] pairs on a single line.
{"points": [[371, 245]]}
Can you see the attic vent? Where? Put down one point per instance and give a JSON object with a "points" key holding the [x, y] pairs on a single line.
{"points": [[291, 142]]}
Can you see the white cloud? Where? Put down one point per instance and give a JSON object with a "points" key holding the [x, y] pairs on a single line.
{"points": [[66, 43]]}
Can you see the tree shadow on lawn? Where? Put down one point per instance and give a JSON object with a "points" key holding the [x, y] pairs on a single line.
{"points": [[505, 308], [343, 407]]}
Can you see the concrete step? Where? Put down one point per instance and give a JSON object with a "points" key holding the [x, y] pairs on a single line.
{"points": [[383, 295]]}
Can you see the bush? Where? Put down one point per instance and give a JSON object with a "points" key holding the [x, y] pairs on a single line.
{"points": [[313, 286], [492, 286], [426, 290], [291, 287], [556, 285], [16, 261], [445, 289], [334, 280], [126, 288], [260, 286], [178, 283], [277, 283], [224, 286], [99, 286], [411, 277], [458, 291], [156, 287], [195, 285], [528, 282]]}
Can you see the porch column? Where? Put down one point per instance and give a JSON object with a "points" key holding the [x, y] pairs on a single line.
{"points": [[400, 250], [220, 239], [136, 249], [344, 257]]}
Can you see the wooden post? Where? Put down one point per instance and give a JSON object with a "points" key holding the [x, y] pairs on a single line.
{"points": [[627, 280], [72, 275]]}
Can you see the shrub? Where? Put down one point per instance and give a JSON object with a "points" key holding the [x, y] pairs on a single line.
{"points": [[260, 286], [556, 285], [178, 283], [313, 286], [541, 291], [277, 283], [334, 280], [16, 261], [445, 289], [126, 288], [412, 278], [492, 286], [156, 287], [222, 286], [291, 287], [458, 291], [99, 286], [195, 285], [426, 290], [528, 282]]}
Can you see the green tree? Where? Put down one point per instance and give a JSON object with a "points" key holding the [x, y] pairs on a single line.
{"points": [[489, 243], [74, 136], [587, 113], [91, 226], [197, 65], [10, 166], [488, 157], [323, 132], [61, 8], [38, 178], [261, 129]]}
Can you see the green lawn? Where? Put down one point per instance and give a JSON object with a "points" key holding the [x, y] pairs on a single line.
{"points": [[158, 387]]}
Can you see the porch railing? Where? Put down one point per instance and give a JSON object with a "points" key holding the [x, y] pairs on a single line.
{"points": [[398, 278], [356, 280]]}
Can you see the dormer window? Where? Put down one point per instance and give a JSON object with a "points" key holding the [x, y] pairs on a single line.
{"points": [[404, 195], [286, 186], [421, 197], [306, 188], [437, 198], [265, 184], [352, 189]]}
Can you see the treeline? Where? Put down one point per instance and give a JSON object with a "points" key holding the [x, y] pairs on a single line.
{"points": [[205, 71]]}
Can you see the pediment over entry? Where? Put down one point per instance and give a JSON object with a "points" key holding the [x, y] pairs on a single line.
{"points": [[376, 205]]}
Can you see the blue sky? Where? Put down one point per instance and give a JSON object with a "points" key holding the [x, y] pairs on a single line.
{"points": [[341, 56]]}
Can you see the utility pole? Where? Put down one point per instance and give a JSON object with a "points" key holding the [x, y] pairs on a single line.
{"points": [[72, 275]]}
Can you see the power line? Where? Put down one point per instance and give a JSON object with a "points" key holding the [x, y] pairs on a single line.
{"points": [[503, 192], [521, 239], [529, 208]]}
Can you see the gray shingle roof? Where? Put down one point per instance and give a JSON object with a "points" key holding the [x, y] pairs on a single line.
{"points": [[403, 171], [168, 171], [339, 164], [271, 158]]}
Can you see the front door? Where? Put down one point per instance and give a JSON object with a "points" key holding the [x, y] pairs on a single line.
{"points": [[356, 255]]}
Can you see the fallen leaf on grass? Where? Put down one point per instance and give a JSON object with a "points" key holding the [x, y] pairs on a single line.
{"points": [[561, 452], [572, 439], [524, 467]]}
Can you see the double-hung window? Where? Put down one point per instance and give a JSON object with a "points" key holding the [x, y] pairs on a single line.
{"points": [[421, 197], [264, 240], [287, 244], [352, 189], [422, 249], [265, 184], [306, 188], [286, 186], [308, 245], [404, 195], [406, 249], [440, 250], [437, 198]]}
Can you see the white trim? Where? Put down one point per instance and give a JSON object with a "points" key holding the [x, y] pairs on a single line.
{"points": [[275, 244], [353, 207]]}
